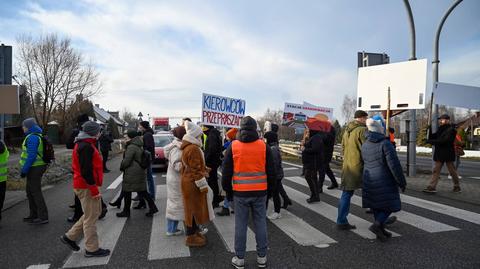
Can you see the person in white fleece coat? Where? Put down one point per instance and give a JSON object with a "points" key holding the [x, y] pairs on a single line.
{"points": [[175, 209]]}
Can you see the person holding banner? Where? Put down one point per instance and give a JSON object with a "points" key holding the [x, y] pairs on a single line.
{"points": [[213, 153]]}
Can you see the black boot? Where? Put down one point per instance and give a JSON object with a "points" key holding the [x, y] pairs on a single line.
{"points": [[385, 232], [141, 205], [286, 202], [333, 186], [116, 204], [124, 214], [152, 211], [225, 212], [376, 228]]}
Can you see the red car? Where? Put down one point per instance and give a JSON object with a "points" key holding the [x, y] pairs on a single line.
{"points": [[161, 140]]}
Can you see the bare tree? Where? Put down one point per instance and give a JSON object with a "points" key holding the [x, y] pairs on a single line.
{"points": [[349, 106], [54, 73]]}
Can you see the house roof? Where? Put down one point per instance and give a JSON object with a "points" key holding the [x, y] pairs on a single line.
{"points": [[104, 116]]}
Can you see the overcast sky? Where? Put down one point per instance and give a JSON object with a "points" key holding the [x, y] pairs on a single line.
{"points": [[158, 57]]}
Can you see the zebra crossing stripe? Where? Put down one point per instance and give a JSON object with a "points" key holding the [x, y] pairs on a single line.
{"points": [[290, 168], [330, 212], [414, 220], [39, 266], [161, 245], [293, 164], [300, 231], [439, 208], [116, 182], [226, 228], [109, 231]]}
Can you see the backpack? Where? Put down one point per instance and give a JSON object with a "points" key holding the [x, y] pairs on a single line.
{"points": [[48, 151], [145, 159]]}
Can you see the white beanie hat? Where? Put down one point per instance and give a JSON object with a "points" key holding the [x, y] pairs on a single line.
{"points": [[375, 126], [193, 129]]}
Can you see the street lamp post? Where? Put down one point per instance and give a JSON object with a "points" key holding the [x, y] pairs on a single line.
{"points": [[436, 61], [412, 137]]}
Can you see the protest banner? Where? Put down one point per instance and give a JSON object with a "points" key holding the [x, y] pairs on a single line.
{"points": [[295, 115], [222, 111]]}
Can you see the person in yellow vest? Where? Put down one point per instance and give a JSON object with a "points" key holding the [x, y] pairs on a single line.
{"points": [[33, 167], [3, 173], [248, 176]]}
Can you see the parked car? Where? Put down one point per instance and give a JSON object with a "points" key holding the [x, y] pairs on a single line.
{"points": [[161, 140]]}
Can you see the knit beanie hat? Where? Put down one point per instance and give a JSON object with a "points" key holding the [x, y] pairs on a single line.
{"points": [[360, 114], [91, 128], [375, 126], [29, 123], [193, 129], [132, 133], [232, 134], [179, 132], [248, 123]]}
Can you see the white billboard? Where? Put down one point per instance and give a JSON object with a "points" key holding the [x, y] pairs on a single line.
{"points": [[457, 95], [407, 82]]}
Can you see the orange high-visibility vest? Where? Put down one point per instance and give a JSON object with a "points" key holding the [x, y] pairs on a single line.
{"points": [[249, 160]]}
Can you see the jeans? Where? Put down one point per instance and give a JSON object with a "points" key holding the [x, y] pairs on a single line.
{"points": [[344, 207], [172, 225], [226, 203], [381, 216], [257, 205], [151, 182]]}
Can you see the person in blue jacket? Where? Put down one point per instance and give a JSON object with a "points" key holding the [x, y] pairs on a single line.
{"points": [[33, 167], [382, 178]]}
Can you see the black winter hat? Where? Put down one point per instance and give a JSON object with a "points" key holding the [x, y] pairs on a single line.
{"points": [[360, 114], [275, 128], [271, 137], [145, 124], [82, 119], [132, 133], [248, 123], [444, 117]]}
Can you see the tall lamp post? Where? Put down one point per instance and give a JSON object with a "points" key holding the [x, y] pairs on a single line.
{"points": [[436, 61], [412, 140]]}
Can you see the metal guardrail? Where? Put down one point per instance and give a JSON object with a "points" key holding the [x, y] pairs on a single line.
{"points": [[294, 149]]}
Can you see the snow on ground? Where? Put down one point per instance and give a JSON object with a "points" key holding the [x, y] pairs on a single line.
{"points": [[468, 153]]}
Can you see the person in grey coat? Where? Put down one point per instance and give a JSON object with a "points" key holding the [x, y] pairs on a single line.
{"points": [[134, 176], [382, 178]]}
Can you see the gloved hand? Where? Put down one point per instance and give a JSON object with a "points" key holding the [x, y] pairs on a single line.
{"points": [[23, 175], [403, 188]]}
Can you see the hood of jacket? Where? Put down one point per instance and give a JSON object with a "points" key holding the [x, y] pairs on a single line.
{"points": [[353, 125], [34, 129], [83, 136], [247, 136], [176, 143], [375, 137], [137, 141]]}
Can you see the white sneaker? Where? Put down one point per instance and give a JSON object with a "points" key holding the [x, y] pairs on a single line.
{"points": [[274, 216], [178, 232], [238, 263], [262, 261]]}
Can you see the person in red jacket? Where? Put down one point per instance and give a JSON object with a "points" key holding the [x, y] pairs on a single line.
{"points": [[87, 168]]}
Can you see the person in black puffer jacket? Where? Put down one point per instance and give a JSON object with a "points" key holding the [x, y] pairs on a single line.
{"points": [[313, 160], [443, 153], [382, 177], [213, 159]]}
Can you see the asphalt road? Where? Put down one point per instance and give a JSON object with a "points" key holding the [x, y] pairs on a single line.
{"points": [[467, 168], [430, 235]]}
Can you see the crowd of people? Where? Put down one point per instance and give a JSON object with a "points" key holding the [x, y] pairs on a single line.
{"points": [[251, 174]]}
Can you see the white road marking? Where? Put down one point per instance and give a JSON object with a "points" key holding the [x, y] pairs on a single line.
{"points": [[226, 229], [441, 208], [116, 182], [475, 177], [293, 164], [39, 266], [300, 231], [109, 231], [414, 220], [161, 245], [331, 212], [290, 168]]}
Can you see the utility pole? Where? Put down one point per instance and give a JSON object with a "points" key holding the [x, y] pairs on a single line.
{"points": [[412, 143]]}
